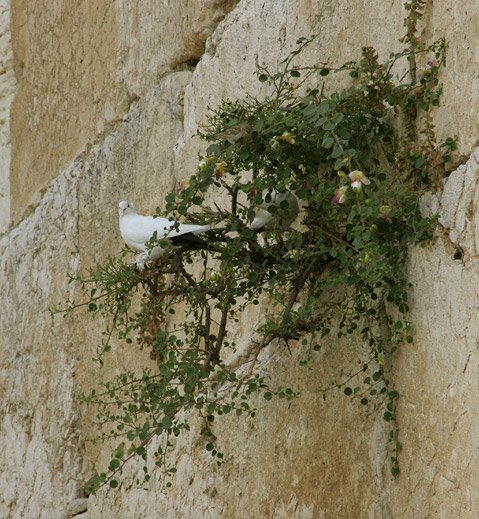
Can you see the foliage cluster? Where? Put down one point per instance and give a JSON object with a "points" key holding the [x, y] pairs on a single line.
{"points": [[357, 159]]}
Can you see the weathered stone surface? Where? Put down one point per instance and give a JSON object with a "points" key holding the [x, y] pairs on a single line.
{"points": [[65, 56], [287, 462], [436, 376], [458, 207], [40, 454], [174, 32], [79, 66], [457, 23], [45, 362], [135, 162], [7, 88]]}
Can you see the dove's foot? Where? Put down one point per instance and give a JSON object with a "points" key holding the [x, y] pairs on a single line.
{"points": [[140, 261]]}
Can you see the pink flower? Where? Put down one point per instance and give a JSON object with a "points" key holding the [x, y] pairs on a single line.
{"points": [[340, 195], [182, 185], [357, 178], [431, 63]]}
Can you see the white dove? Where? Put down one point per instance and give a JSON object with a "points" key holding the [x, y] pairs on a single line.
{"points": [[265, 220], [136, 230]]}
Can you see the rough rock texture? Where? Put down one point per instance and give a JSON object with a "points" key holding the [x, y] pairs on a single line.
{"points": [[106, 107], [437, 375], [7, 88], [287, 462], [80, 65], [40, 456]]}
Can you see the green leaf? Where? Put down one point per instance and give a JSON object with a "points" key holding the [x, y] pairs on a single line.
{"points": [[328, 126], [243, 153], [388, 416], [327, 142], [395, 471], [419, 162], [166, 422], [114, 464], [324, 108], [337, 151], [337, 118]]}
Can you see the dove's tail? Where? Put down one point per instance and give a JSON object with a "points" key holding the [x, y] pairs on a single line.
{"points": [[202, 228], [190, 240]]}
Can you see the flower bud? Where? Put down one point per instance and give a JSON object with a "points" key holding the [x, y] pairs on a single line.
{"points": [[182, 185], [220, 169], [340, 195], [384, 210], [274, 143], [287, 137]]}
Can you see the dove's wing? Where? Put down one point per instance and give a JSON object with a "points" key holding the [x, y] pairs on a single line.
{"points": [[188, 228], [136, 229]]}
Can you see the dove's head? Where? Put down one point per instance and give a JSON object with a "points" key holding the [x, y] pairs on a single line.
{"points": [[125, 207]]}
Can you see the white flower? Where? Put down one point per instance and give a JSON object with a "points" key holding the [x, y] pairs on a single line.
{"points": [[357, 178]]}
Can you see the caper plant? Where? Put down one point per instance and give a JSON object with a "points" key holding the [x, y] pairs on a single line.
{"points": [[358, 160]]}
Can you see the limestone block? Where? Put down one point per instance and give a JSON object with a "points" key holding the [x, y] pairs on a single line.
{"points": [[158, 36], [64, 57], [459, 210], [437, 379], [40, 447], [459, 106], [134, 162], [79, 66], [44, 362]]}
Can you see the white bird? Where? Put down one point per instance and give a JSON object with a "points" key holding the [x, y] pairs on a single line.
{"points": [[137, 230], [282, 217]]}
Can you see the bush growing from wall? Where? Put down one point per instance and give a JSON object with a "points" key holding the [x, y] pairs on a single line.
{"points": [[357, 160]]}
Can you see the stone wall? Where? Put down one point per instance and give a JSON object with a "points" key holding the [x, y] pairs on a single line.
{"points": [[108, 97], [7, 85]]}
